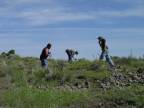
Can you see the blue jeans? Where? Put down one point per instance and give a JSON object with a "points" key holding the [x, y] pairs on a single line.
{"points": [[108, 58], [44, 63]]}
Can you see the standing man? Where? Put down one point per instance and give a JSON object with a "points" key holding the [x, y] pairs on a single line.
{"points": [[104, 53], [71, 53], [44, 55]]}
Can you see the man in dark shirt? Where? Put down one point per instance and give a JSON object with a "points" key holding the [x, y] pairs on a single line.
{"points": [[71, 53], [44, 55], [104, 53]]}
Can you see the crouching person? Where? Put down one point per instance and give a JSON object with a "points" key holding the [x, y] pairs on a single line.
{"points": [[71, 54]]}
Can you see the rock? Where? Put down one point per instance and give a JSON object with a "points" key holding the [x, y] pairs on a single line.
{"points": [[105, 86], [67, 87], [130, 80], [118, 76], [135, 77], [142, 76], [80, 86]]}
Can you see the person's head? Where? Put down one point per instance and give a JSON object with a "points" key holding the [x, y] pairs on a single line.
{"points": [[67, 50], [100, 38], [76, 52], [49, 45]]}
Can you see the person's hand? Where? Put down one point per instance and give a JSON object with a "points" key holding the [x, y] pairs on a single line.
{"points": [[49, 54]]}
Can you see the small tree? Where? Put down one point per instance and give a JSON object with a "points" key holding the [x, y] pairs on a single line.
{"points": [[11, 52], [3, 54]]}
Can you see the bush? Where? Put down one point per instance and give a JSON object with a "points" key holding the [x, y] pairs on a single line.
{"points": [[11, 52]]}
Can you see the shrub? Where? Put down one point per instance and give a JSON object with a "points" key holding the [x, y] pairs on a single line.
{"points": [[11, 52]]}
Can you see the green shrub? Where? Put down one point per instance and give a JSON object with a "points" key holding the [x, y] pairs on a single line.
{"points": [[11, 52]]}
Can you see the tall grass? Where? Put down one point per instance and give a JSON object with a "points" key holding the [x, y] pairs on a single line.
{"points": [[25, 97]]}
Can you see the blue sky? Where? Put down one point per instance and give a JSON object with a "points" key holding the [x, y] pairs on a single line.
{"points": [[28, 25]]}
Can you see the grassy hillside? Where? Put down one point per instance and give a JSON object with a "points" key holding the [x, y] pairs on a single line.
{"points": [[81, 84]]}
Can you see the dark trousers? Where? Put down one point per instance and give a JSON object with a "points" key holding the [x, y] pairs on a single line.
{"points": [[69, 57]]}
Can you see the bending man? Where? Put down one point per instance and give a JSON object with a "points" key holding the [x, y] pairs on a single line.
{"points": [[71, 53]]}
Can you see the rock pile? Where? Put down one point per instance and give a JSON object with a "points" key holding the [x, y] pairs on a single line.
{"points": [[120, 80]]}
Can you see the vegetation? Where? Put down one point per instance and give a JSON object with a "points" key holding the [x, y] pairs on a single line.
{"points": [[81, 84]]}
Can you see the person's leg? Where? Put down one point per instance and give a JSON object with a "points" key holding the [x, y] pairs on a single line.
{"points": [[45, 63], [109, 60], [42, 63], [102, 56], [69, 56], [72, 58]]}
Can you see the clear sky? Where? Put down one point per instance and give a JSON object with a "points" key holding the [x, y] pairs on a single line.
{"points": [[28, 25]]}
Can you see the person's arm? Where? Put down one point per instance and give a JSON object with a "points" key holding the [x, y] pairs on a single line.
{"points": [[99, 42], [47, 51]]}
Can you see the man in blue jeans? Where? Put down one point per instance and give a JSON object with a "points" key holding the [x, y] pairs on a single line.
{"points": [[104, 53], [44, 55]]}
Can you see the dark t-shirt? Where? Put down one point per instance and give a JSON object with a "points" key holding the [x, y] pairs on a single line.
{"points": [[43, 54], [103, 45]]}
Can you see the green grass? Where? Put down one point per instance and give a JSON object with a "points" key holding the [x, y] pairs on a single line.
{"points": [[31, 88], [36, 98], [96, 75]]}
